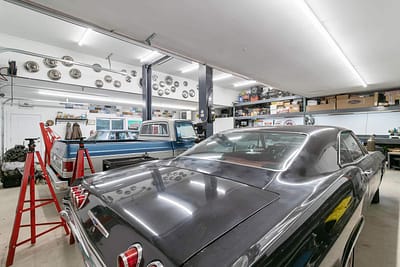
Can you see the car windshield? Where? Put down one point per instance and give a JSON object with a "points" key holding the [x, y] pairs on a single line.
{"points": [[269, 150], [185, 130]]}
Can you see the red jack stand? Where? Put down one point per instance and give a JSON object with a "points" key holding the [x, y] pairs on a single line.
{"points": [[49, 137], [29, 177], [79, 166]]}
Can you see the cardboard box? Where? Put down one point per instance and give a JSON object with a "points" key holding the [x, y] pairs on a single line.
{"points": [[294, 108], [340, 97], [331, 106], [355, 102], [282, 110]]}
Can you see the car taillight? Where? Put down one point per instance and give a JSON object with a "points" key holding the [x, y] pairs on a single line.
{"points": [[155, 264], [131, 257], [68, 166], [78, 196]]}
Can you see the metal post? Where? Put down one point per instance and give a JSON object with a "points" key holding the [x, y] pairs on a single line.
{"points": [[146, 88], [206, 97]]}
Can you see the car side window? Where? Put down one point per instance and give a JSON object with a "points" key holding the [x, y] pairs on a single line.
{"points": [[350, 151], [156, 129]]}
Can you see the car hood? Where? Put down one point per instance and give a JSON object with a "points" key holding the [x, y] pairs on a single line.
{"points": [[179, 211]]}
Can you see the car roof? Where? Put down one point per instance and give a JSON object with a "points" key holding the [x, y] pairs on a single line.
{"points": [[305, 129]]}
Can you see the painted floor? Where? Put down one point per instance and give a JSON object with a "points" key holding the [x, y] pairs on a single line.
{"points": [[378, 244]]}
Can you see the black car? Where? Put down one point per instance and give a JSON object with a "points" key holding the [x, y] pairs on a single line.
{"points": [[278, 196]]}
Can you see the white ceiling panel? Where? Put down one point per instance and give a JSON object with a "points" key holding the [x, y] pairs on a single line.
{"points": [[273, 42]]}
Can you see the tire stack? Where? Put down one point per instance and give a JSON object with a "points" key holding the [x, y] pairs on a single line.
{"points": [[12, 177]]}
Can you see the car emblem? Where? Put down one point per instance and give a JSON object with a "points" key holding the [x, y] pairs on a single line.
{"points": [[97, 224]]}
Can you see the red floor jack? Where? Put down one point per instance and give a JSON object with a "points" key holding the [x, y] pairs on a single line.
{"points": [[29, 178]]}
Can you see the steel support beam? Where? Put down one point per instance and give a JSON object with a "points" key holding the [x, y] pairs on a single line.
{"points": [[146, 89], [206, 97]]}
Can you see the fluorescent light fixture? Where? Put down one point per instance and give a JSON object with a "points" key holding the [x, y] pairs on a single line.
{"points": [[176, 204], [150, 56], [84, 36], [180, 107], [222, 77], [332, 42], [191, 67], [91, 97], [244, 83]]}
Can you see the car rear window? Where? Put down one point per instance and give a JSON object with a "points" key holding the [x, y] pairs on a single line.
{"points": [[270, 150]]}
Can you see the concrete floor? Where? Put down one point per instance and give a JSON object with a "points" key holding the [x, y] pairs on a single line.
{"points": [[377, 246]]}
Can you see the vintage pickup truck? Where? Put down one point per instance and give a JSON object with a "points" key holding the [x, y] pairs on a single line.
{"points": [[161, 138]]}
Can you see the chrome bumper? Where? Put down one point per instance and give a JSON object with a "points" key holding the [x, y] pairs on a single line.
{"points": [[90, 256], [57, 183]]}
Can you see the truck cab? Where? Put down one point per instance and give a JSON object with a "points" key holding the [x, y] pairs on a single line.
{"points": [[159, 139]]}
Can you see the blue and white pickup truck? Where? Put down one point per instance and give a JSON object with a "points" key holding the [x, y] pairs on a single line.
{"points": [[161, 138]]}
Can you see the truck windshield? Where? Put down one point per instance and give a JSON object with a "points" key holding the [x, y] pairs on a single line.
{"points": [[269, 150], [184, 130]]}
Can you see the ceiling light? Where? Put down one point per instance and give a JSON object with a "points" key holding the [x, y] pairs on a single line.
{"points": [[222, 77], [332, 42], [84, 36], [92, 97], [191, 67], [244, 83], [150, 56], [179, 107]]}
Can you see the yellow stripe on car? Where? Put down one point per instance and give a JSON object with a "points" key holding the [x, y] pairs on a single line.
{"points": [[340, 209]]}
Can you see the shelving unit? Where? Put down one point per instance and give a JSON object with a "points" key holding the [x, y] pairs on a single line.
{"points": [[267, 101], [58, 120], [395, 108]]}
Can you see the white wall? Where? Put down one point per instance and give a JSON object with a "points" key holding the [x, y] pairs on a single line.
{"points": [[43, 114], [362, 123]]}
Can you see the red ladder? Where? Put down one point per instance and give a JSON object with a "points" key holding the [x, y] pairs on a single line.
{"points": [[29, 177]]}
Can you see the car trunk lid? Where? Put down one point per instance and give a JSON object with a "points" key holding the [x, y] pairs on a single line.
{"points": [[177, 211]]}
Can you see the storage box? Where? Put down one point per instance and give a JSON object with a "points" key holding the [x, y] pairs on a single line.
{"points": [[294, 108], [340, 97], [331, 106], [355, 102]]}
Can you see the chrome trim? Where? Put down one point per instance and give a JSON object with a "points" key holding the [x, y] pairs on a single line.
{"points": [[98, 224], [57, 183], [338, 151], [139, 250], [71, 218], [155, 263], [359, 226]]}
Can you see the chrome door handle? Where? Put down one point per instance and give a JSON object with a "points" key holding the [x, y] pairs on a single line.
{"points": [[367, 172]]}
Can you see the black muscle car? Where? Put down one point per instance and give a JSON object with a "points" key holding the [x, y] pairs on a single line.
{"points": [[278, 196]]}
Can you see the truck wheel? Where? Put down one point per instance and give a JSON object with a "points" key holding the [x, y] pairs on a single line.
{"points": [[375, 200]]}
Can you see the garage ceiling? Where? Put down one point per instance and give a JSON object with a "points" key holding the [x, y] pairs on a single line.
{"points": [[274, 42], [38, 27]]}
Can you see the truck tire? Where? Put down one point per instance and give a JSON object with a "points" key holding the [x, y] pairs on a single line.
{"points": [[375, 199]]}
